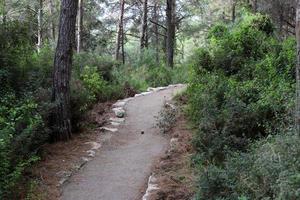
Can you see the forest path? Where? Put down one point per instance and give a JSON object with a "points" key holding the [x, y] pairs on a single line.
{"points": [[121, 168]]}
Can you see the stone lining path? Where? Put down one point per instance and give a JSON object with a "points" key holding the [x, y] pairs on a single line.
{"points": [[122, 166]]}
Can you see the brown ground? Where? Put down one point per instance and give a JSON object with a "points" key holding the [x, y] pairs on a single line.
{"points": [[61, 158], [174, 174], [128, 152], [124, 163]]}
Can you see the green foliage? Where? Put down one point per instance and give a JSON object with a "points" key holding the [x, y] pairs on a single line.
{"points": [[247, 41], [269, 170], [140, 78], [144, 71], [93, 81], [104, 65], [159, 76], [218, 31], [240, 93], [22, 132], [135, 77], [15, 49]]}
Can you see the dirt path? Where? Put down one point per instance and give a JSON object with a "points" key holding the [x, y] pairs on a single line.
{"points": [[121, 168]]}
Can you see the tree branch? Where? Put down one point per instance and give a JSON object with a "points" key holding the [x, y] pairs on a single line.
{"points": [[156, 23]]}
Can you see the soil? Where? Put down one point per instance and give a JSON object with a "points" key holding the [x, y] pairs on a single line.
{"points": [[124, 163], [174, 175], [61, 158], [121, 168]]}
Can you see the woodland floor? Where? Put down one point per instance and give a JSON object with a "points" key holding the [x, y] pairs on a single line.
{"points": [[122, 166]]}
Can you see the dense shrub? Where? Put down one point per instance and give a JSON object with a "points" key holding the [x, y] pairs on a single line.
{"points": [[270, 170], [22, 131], [241, 92], [104, 65]]}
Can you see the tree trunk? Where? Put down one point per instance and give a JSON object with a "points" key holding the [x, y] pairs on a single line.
{"points": [[281, 24], [62, 70], [79, 25], [171, 28], [155, 17], [254, 6], [40, 24], [120, 34], [144, 29], [233, 10], [3, 12], [51, 10], [297, 114]]}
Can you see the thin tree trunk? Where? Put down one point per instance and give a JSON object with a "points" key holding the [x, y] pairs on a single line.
{"points": [[62, 70], [40, 24], [254, 6], [122, 46], [155, 17], [144, 29], [281, 24], [79, 25], [3, 12], [120, 34], [297, 114], [233, 10], [51, 10], [171, 28]]}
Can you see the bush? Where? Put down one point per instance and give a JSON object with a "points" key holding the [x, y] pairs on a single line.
{"points": [[241, 94], [270, 170], [104, 65], [237, 107], [22, 133], [94, 82]]}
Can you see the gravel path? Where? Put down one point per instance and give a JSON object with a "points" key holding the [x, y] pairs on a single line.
{"points": [[123, 165]]}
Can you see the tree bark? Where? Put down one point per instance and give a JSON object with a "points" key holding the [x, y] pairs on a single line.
{"points": [[79, 25], [62, 70], [120, 34], [51, 10], [254, 6], [3, 12], [155, 17], [144, 29], [297, 114], [171, 28], [40, 24], [233, 11]]}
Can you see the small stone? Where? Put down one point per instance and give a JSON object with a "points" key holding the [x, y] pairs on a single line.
{"points": [[109, 129], [128, 99], [150, 89], [91, 153], [62, 181], [81, 163], [138, 95], [174, 143], [119, 112], [161, 88], [118, 120], [146, 93], [119, 104], [115, 123], [95, 145]]}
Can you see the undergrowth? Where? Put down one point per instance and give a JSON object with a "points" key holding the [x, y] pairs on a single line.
{"points": [[241, 96]]}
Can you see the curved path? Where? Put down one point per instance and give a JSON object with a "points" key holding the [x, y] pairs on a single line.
{"points": [[121, 168]]}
